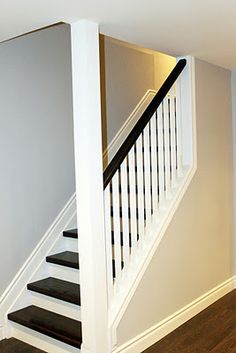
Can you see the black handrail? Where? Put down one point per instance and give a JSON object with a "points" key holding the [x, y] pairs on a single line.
{"points": [[115, 163]]}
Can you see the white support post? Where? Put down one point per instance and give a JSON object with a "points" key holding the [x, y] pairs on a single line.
{"points": [[187, 93], [89, 185]]}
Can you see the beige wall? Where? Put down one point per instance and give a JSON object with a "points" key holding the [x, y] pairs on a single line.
{"points": [[196, 253], [233, 87], [127, 73]]}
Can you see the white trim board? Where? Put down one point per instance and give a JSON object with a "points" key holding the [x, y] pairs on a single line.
{"points": [[164, 327], [125, 129], [2, 333]]}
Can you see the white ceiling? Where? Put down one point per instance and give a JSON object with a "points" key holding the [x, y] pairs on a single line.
{"points": [[204, 28]]}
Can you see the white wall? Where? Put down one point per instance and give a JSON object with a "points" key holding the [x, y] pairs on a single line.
{"points": [[233, 88], [36, 141], [196, 253]]}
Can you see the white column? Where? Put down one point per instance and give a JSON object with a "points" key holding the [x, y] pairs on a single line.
{"points": [[188, 124], [89, 185]]}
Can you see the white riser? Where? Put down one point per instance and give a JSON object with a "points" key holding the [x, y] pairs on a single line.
{"points": [[64, 273], [70, 244], [57, 306], [40, 341]]}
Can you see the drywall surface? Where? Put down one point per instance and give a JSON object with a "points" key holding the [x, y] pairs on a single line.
{"points": [[233, 89], [36, 141], [127, 73], [196, 254]]}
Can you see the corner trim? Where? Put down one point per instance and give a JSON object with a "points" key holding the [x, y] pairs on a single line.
{"points": [[164, 327]]}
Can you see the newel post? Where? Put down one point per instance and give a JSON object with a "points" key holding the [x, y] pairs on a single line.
{"points": [[89, 185]]}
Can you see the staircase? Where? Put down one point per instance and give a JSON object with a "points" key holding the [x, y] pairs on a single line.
{"points": [[62, 328], [143, 185]]}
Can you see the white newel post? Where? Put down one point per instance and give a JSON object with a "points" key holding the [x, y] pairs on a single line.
{"points": [[89, 185], [187, 94]]}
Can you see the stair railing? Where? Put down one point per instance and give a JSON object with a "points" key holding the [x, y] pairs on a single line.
{"points": [[139, 180]]}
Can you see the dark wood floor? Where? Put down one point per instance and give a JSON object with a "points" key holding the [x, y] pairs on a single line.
{"points": [[12, 345], [211, 331]]}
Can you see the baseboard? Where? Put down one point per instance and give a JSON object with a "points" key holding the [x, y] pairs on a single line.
{"points": [[2, 333], [163, 328], [234, 282], [123, 132], [34, 261]]}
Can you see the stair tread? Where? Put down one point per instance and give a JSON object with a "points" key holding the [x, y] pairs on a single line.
{"points": [[75, 235], [48, 323], [65, 258], [57, 288], [71, 233], [13, 345]]}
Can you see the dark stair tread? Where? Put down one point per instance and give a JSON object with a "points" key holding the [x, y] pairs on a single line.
{"points": [[75, 235], [13, 345], [72, 233], [65, 258], [48, 323], [57, 288]]}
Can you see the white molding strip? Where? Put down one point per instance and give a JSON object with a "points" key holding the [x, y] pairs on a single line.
{"points": [[119, 138], [234, 282], [32, 264], [2, 333], [164, 327]]}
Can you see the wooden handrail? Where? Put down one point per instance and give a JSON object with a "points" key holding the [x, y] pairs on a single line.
{"points": [[115, 163]]}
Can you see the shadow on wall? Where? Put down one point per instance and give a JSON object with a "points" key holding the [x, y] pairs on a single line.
{"points": [[127, 73]]}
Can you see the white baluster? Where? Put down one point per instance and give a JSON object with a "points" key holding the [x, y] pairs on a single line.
{"points": [[107, 200], [179, 129], [173, 137], [140, 186], [133, 208], [147, 179], [116, 227], [125, 215], [153, 123], [166, 146], [160, 155]]}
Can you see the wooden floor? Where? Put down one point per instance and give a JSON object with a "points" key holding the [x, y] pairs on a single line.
{"points": [[12, 345], [211, 331]]}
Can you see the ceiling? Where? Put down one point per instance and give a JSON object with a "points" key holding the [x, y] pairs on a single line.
{"points": [[204, 28]]}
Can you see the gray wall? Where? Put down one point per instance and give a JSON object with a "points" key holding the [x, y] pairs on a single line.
{"points": [[196, 253], [36, 141]]}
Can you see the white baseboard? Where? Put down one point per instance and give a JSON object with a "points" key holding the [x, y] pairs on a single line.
{"points": [[234, 281], [2, 333], [163, 328], [125, 129], [17, 287]]}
